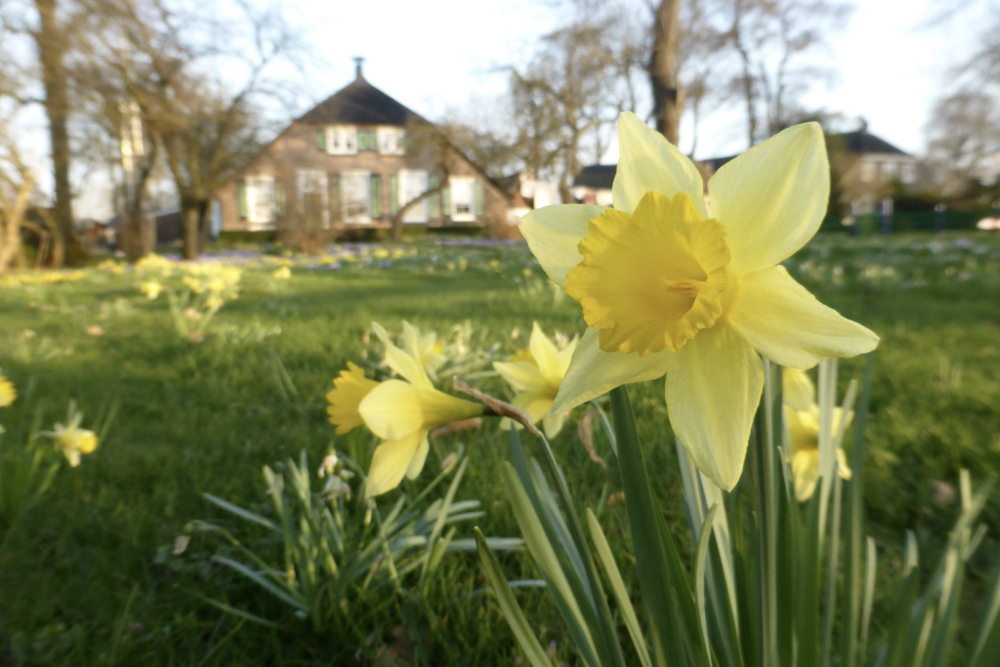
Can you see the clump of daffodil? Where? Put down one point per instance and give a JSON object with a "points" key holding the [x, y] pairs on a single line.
{"points": [[8, 394], [535, 373], [400, 412], [284, 273], [802, 422], [672, 286], [151, 288]]}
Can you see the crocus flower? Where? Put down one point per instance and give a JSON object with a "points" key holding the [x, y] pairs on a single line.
{"points": [[670, 288], [400, 412], [535, 373]]}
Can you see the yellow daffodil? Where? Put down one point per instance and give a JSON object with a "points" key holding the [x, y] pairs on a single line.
{"points": [[7, 392], [151, 288], [402, 413], [669, 288], [424, 347], [75, 441], [535, 373], [802, 422], [214, 302], [348, 391], [284, 273]]}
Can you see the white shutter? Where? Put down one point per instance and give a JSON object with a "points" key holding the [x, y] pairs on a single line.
{"points": [[463, 193], [412, 184], [355, 195]]}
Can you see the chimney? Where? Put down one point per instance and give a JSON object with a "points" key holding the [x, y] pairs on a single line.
{"points": [[358, 62], [864, 124]]}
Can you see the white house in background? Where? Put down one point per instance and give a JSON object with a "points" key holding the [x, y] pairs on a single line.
{"points": [[527, 193], [593, 184]]}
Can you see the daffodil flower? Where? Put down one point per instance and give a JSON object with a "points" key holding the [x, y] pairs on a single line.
{"points": [[74, 440], [151, 288], [349, 389], [7, 392], [424, 347], [669, 288], [400, 412], [535, 373]]}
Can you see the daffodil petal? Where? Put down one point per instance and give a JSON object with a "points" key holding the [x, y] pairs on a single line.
{"points": [[712, 390], [773, 197], [789, 326], [546, 355], [553, 424], [797, 390], [553, 232], [391, 461], [649, 162], [419, 458], [520, 375], [593, 372], [843, 469], [805, 472], [537, 405], [439, 408], [402, 362], [392, 410]]}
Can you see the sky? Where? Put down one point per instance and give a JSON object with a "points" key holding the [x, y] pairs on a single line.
{"points": [[442, 57]]}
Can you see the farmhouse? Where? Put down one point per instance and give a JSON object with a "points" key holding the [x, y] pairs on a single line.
{"points": [[353, 163]]}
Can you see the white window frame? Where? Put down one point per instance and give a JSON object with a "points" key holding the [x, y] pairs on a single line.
{"points": [[890, 170], [458, 206], [356, 179], [260, 200], [412, 184], [390, 140], [342, 139], [311, 180]]}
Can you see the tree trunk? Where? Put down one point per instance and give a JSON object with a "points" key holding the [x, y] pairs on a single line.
{"points": [[51, 46], [668, 98], [191, 219]]}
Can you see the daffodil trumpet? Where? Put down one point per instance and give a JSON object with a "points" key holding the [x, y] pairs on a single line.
{"points": [[674, 285]]}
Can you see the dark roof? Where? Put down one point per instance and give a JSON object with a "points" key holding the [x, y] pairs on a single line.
{"points": [[597, 176], [714, 163], [860, 141], [360, 103]]}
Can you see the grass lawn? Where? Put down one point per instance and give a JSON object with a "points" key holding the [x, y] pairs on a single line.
{"points": [[87, 576]]}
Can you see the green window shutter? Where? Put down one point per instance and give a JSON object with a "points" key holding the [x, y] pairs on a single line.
{"points": [[446, 199], [480, 194], [242, 195], [321, 138], [376, 182], [279, 198], [333, 183], [367, 140], [394, 194], [434, 201]]}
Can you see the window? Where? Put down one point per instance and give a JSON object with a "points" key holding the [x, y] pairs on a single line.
{"points": [[342, 139], [355, 193], [367, 140], [867, 172], [463, 194], [412, 184], [909, 173], [313, 199], [890, 170], [321, 139], [259, 200], [376, 205], [390, 140]]}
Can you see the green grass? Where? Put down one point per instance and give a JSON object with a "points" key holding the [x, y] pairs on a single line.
{"points": [[86, 577]]}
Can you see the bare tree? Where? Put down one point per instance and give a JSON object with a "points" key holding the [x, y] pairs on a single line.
{"points": [[52, 39], [964, 140], [207, 128], [668, 96], [17, 185]]}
